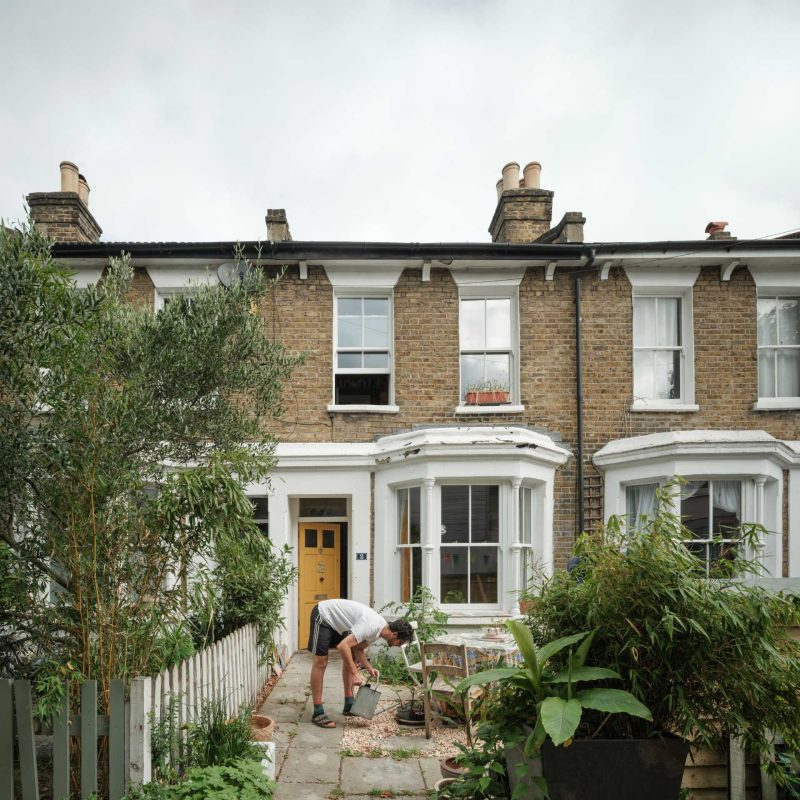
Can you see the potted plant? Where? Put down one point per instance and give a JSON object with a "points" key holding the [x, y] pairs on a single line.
{"points": [[548, 756], [487, 393], [711, 659]]}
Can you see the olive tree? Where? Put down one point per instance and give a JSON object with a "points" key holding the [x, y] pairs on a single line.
{"points": [[126, 440]]}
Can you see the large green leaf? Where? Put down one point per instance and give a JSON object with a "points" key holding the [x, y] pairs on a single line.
{"points": [[560, 718], [524, 639], [583, 650], [584, 674], [551, 648], [489, 676], [613, 701]]}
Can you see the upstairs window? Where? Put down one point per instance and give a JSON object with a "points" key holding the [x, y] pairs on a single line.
{"points": [[362, 372], [165, 297], [779, 347], [487, 343], [658, 349]]}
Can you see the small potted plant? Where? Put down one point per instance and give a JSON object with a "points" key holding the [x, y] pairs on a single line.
{"points": [[487, 393]]}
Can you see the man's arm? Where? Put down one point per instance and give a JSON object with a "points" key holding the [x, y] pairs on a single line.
{"points": [[345, 647], [361, 656]]}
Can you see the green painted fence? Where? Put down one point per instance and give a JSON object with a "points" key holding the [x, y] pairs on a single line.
{"points": [[16, 722]]}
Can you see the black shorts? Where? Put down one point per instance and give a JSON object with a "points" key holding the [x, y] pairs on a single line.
{"points": [[322, 637]]}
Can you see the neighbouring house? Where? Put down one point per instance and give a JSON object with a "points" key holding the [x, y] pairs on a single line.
{"points": [[465, 409]]}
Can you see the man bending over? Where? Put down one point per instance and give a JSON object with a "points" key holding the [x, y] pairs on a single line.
{"points": [[350, 627]]}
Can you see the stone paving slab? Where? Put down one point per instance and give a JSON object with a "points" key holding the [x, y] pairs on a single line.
{"points": [[360, 775], [321, 738], [284, 733], [430, 771], [288, 694], [310, 766], [302, 791], [283, 712]]}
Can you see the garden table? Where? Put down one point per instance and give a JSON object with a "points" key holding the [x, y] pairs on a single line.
{"points": [[485, 652]]}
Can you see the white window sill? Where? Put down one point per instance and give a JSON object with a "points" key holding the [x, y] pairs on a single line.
{"points": [[477, 410], [362, 409], [777, 404], [675, 408]]}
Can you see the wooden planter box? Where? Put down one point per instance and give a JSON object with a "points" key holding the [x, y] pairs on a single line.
{"points": [[486, 398]]}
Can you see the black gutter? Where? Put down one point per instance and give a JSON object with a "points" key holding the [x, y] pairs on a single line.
{"points": [[579, 388], [692, 246], [313, 251]]}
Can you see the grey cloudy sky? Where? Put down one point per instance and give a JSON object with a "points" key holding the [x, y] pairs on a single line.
{"points": [[391, 119]]}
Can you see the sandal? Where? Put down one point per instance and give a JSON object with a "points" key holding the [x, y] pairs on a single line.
{"points": [[323, 721]]}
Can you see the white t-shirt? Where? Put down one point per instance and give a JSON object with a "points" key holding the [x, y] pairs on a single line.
{"points": [[348, 615]]}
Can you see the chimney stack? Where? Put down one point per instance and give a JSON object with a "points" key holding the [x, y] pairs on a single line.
{"points": [[64, 215], [524, 211], [278, 225]]}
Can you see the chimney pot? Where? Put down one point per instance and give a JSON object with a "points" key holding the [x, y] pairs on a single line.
{"points": [[716, 227], [69, 177], [499, 189], [532, 174], [83, 190], [511, 176]]}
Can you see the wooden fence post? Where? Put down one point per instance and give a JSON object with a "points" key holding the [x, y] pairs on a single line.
{"points": [[140, 767], [6, 740], [88, 738], [25, 740], [61, 750], [736, 769], [116, 740]]}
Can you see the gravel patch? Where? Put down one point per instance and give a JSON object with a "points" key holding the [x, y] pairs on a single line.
{"points": [[365, 736]]}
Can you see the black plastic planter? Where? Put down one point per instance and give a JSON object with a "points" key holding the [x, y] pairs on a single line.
{"points": [[602, 769]]}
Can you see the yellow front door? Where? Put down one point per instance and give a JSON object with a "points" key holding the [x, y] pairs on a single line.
{"points": [[319, 553]]}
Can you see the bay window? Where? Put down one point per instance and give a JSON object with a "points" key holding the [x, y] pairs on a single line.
{"points": [[640, 504], [526, 525], [470, 544], [712, 510], [409, 541]]}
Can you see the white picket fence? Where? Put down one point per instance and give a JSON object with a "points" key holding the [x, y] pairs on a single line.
{"points": [[230, 671]]}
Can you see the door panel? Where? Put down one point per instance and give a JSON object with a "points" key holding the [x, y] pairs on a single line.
{"points": [[319, 554]]}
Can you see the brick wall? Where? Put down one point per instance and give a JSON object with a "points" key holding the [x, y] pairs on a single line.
{"points": [[300, 315]]}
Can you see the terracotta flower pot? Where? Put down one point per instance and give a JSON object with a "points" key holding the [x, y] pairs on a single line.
{"points": [[261, 727], [449, 768], [486, 398], [444, 782]]}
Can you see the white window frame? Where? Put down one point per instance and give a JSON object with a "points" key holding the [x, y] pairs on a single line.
{"points": [[261, 520], [481, 292], [390, 407], [163, 296], [403, 548], [685, 401], [527, 534], [502, 545], [649, 280], [777, 402]]}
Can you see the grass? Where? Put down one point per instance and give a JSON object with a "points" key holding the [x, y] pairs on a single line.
{"points": [[376, 752], [349, 753], [404, 753], [336, 793]]}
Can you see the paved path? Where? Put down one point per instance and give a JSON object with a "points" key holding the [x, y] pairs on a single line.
{"points": [[309, 761]]}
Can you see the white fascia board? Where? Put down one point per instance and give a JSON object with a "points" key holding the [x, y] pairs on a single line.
{"points": [[695, 444], [467, 276], [365, 274]]}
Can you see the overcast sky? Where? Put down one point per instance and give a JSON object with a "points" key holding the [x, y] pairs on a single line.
{"points": [[391, 119]]}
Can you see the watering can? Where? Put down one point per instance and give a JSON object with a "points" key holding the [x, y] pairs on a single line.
{"points": [[366, 700]]}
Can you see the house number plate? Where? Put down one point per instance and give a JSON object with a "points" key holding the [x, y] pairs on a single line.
{"points": [[361, 556]]}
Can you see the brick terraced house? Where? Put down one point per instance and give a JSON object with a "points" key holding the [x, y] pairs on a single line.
{"points": [[465, 409]]}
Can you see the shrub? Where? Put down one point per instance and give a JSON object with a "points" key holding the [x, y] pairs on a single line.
{"points": [[219, 741], [708, 658]]}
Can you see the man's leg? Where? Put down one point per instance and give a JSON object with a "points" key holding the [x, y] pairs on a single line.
{"points": [[317, 677]]}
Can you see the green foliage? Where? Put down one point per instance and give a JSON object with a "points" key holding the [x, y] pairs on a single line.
{"points": [[239, 780], [100, 399], [550, 696], [486, 770], [218, 741], [708, 658]]}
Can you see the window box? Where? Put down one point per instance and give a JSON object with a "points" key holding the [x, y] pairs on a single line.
{"points": [[486, 397]]}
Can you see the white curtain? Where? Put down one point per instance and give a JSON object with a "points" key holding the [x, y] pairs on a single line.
{"points": [[668, 317], [641, 502], [728, 496]]}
